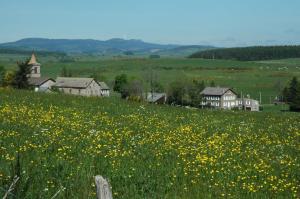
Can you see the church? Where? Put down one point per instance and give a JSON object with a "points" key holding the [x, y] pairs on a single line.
{"points": [[68, 85], [39, 83]]}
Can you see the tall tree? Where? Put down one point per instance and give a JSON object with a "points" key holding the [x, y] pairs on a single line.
{"points": [[292, 94], [2, 75], [120, 83], [292, 89], [212, 83], [21, 76]]}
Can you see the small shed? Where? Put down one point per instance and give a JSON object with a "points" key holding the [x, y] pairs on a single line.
{"points": [[157, 98]]}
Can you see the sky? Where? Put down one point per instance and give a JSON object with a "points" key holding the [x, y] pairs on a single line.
{"points": [[223, 23]]}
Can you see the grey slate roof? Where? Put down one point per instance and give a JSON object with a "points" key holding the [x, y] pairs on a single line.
{"points": [[153, 97], [215, 91], [72, 82], [103, 86], [37, 81]]}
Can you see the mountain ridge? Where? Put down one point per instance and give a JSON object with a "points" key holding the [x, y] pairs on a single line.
{"points": [[113, 46]]}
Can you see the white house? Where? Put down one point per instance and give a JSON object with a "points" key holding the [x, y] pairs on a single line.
{"points": [[105, 90], [224, 98], [78, 86]]}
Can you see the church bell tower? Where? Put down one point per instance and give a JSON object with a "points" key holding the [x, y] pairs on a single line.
{"points": [[35, 67]]}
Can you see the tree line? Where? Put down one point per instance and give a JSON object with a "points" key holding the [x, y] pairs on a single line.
{"points": [[27, 52], [184, 92], [250, 53]]}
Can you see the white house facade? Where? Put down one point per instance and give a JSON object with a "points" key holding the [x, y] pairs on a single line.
{"points": [[218, 97], [226, 98]]}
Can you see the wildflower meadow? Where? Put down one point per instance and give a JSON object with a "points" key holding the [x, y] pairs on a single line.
{"points": [[57, 143]]}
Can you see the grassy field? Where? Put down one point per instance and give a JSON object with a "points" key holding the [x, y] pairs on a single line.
{"points": [[267, 77], [58, 142]]}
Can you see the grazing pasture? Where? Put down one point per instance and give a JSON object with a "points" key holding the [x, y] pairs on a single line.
{"points": [[268, 77], [56, 142]]}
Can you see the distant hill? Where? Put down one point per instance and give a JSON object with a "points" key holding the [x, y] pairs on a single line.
{"points": [[89, 46], [85, 45], [251, 53]]}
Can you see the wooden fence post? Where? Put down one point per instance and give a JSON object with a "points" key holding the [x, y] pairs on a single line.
{"points": [[103, 188]]}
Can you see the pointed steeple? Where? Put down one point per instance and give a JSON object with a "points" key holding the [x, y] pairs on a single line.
{"points": [[35, 67], [33, 60]]}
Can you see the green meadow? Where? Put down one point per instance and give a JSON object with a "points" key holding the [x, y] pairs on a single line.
{"points": [[267, 77]]}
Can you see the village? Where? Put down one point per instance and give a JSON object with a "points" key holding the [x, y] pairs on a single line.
{"points": [[212, 97]]}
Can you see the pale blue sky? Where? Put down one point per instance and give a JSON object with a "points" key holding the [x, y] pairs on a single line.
{"points": [[216, 22]]}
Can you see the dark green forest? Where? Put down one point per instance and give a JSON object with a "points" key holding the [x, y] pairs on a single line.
{"points": [[255, 53]]}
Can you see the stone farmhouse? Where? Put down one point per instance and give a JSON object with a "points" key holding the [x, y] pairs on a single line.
{"points": [[78, 86], [226, 98]]}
